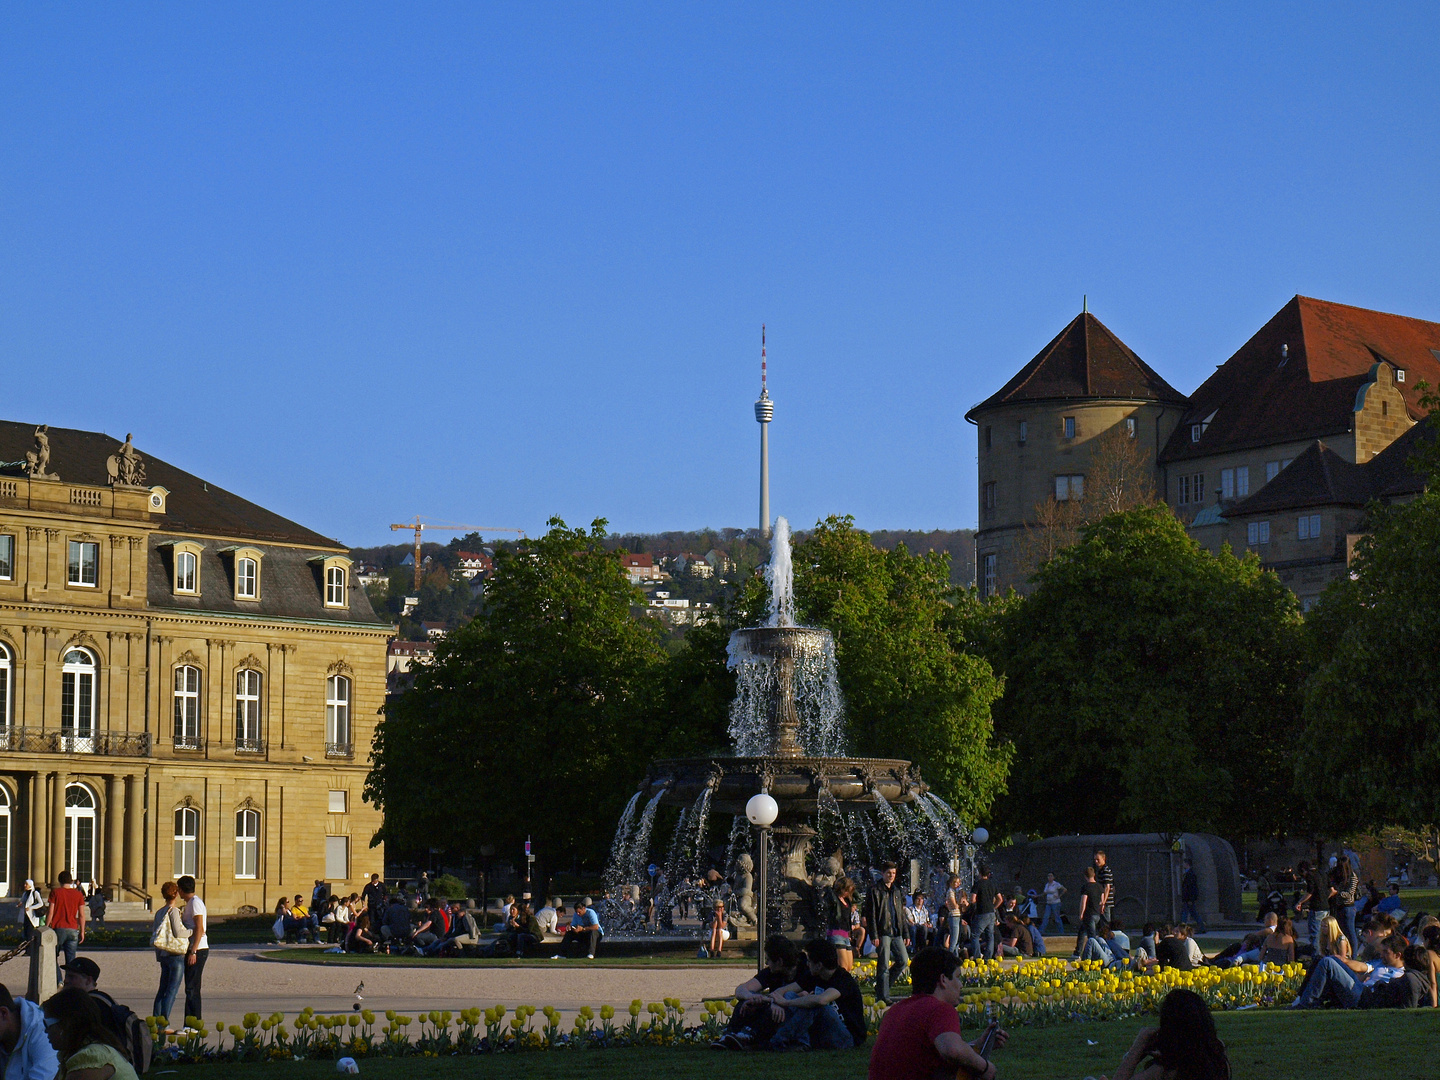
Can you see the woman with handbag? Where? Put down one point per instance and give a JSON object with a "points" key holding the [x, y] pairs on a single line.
{"points": [[171, 938]]}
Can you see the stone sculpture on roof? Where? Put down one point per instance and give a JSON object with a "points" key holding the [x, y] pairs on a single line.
{"points": [[125, 466], [37, 460]]}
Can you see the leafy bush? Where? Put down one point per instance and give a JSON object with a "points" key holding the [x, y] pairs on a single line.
{"points": [[449, 887]]}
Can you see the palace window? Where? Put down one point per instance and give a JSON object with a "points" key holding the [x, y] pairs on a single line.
{"points": [[1069, 423], [187, 840], [339, 802], [77, 701], [1308, 527], [7, 558], [334, 586], [1069, 488], [337, 716], [247, 578], [5, 669], [1257, 533], [247, 710], [247, 843], [80, 832], [187, 707], [83, 566], [185, 564], [337, 858]]}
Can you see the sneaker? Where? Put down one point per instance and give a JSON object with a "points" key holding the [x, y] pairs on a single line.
{"points": [[729, 1042], [590, 956]]}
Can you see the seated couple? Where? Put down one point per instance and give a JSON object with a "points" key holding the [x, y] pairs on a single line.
{"points": [[1399, 979], [799, 1001]]}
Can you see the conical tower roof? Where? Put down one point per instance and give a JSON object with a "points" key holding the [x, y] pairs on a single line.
{"points": [[1084, 361]]}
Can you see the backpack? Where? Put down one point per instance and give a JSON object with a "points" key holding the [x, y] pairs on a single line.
{"points": [[134, 1035]]}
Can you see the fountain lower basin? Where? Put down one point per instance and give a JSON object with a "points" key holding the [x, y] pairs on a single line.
{"points": [[794, 782]]}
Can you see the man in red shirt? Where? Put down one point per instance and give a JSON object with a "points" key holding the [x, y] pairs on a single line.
{"points": [[66, 916], [919, 1037]]}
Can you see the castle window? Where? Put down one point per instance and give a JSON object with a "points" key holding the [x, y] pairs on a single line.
{"points": [[1227, 483], [83, 567], [247, 578], [185, 563], [988, 502], [1069, 488], [1242, 480], [339, 802], [1024, 432], [1069, 423], [186, 699], [987, 575], [1130, 426], [77, 702], [7, 557], [1257, 533], [247, 843], [1308, 527], [247, 711], [4, 687], [187, 840]]}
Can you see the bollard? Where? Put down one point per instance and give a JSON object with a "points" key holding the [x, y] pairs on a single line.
{"points": [[42, 966]]}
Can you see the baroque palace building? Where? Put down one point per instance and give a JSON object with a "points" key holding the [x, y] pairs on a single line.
{"points": [[1278, 452], [189, 683]]}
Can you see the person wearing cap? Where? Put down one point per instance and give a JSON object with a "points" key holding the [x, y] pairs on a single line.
{"points": [[31, 902], [25, 1050]]}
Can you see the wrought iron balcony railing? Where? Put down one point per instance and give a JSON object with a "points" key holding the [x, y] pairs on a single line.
{"points": [[249, 746], [339, 749], [75, 741], [188, 742]]}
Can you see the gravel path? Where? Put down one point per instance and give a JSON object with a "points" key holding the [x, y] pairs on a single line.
{"points": [[236, 983]]}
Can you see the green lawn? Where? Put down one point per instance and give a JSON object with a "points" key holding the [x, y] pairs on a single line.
{"points": [[1275, 1045], [1414, 899]]}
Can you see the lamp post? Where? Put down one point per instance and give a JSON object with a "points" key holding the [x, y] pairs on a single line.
{"points": [[762, 811]]}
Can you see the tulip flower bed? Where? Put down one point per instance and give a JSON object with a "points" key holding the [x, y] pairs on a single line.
{"points": [[1037, 993]]}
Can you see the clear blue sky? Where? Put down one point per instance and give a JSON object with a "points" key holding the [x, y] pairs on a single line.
{"points": [[490, 264]]}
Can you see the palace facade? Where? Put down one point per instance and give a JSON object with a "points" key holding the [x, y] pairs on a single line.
{"points": [[189, 683], [1277, 452]]}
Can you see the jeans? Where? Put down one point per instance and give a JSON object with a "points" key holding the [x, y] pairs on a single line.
{"points": [[952, 927], [1330, 974], [578, 943], [66, 941], [1095, 950], [1312, 923], [1187, 907], [818, 1028], [172, 974], [889, 945], [193, 974], [1089, 927], [1347, 923], [1052, 911], [920, 936], [1251, 956], [982, 936], [1038, 940]]}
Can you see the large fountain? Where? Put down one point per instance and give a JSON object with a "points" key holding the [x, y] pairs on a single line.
{"points": [[787, 729]]}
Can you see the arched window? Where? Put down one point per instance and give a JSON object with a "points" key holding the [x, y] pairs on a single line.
{"points": [[4, 841], [247, 578], [77, 702], [185, 571], [247, 843], [187, 840], [247, 711], [5, 668], [187, 708], [337, 716], [334, 586], [80, 832]]}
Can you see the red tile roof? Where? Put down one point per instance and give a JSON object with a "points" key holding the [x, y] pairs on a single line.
{"points": [[642, 559], [1258, 401], [1085, 360]]}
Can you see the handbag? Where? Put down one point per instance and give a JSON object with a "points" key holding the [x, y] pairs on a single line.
{"points": [[166, 940]]}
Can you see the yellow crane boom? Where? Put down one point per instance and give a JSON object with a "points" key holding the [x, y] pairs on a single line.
{"points": [[419, 525]]}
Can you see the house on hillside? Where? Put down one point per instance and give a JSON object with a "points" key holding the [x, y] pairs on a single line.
{"points": [[640, 567]]}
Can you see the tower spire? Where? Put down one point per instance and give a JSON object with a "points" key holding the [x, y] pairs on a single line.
{"points": [[764, 413]]}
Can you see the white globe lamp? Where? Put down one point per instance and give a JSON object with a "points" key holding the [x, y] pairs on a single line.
{"points": [[762, 810], [980, 835]]}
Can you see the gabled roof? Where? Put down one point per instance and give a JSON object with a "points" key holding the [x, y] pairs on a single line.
{"points": [[1297, 377], [1084, 361], [193, 505]]}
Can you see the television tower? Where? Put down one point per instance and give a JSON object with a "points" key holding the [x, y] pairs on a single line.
{"points": [[764, 413]]}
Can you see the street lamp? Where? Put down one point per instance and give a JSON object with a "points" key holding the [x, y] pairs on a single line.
{"points": [[762, 811], [980, 835]]}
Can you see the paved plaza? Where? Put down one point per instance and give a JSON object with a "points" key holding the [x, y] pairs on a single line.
{"points": [[237, 982]]}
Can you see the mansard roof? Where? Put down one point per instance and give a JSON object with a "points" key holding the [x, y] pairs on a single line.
{"points": [[1084, 361], [193, 506], [1297, 377]]}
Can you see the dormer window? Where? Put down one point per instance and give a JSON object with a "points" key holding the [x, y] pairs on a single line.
{"points": [[333, 572], [246, 568], [334, 586], [1399, 374], [185, 568], [1194, 432]]}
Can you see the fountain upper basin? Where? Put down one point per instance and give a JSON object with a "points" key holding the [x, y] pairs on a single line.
{"points": [[781, 642], [794, 782]]}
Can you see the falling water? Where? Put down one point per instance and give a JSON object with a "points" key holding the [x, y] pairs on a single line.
{"points": [[780, 576], [895, 844]]}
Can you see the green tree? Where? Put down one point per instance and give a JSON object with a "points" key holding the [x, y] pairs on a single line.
{"points": [[1149, 686], [1370, 752], [537, 718], [910, 692]]}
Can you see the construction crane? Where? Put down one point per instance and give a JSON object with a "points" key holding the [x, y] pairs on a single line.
{"points": [[419, 525]]}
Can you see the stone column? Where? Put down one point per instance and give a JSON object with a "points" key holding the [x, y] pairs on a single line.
{"points": [[114, 834], [35, 826], [57, 824], [135, 827]]}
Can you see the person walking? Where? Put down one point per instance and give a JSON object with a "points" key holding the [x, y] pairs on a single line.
{"points": [[1052, 891], [171, 939], [31, 906], [1106, 877], [194, 917], [885, 921], [66, 916], [987, 899], [1190, 896], [1092, 905]]}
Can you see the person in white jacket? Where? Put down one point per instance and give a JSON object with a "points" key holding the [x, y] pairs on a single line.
{"points": [[31, 906], [25, 1050]]}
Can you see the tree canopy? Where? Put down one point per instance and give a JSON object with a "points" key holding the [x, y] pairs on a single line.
{"points": [[1149, 685]]}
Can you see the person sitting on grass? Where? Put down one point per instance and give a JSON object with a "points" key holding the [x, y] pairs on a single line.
{"points": [[582, 937], [757, 1016], [1333, 941], [431, 927], [1375, 930], [919, 1036], [1279, 945], [1344, 982], [719, 930], [395, 927], [1170, 950], [825, 1010], [1183, 1047], [359, 939]]}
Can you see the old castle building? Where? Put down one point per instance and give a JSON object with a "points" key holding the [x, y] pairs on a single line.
{"points": [[188, 682], [1277, 452]]}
